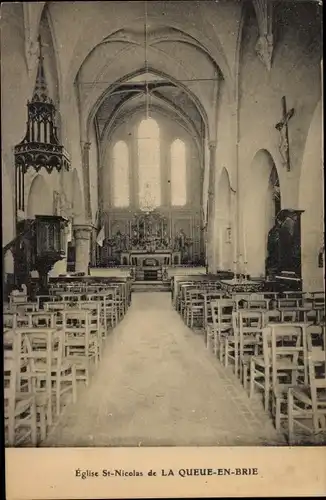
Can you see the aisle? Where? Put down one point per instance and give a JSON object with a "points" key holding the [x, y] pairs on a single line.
{"points": [[157, 385]]}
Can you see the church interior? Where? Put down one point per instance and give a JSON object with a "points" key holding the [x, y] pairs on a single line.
{"points": [[162, 223]]}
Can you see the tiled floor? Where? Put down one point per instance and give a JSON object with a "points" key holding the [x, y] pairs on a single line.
{"points": [[157, 385]]}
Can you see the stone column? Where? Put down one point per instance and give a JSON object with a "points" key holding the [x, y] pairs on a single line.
{"points": [[82, 233], [85, 161], [211, 206]]}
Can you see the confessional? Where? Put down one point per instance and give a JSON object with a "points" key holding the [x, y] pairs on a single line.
{"points": [[283, 263]]}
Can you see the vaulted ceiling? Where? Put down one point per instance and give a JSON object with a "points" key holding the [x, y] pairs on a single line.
{"points": [[154, 93], [148, 65]]}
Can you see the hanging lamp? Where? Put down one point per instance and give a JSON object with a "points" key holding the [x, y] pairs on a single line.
{"points": [[40, 148]]}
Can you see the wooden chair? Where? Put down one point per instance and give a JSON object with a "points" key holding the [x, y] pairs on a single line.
{"points": [[59, 306], [271, 316], [9, 319], [209, 297], [19, 406], [184, 287], [109, 312], [307, 403], [42, 318], [81, 345], [72, 297], [194, 307], [250, 341], [288, 347], [260, 364], [288, 315], [260, 368], [240, 299], [52, 375], [26, 307], [43, 299], [211, 326], [288, 303], [96, 324], [223, 335], [256, 304]]}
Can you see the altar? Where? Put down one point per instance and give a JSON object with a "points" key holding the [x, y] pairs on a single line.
{"points": [[148, 244], [153, 259]]}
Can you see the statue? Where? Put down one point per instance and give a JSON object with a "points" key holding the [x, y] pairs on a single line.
{"points": [[180, 241], [118, 241], [273, 249], [166, 240]]}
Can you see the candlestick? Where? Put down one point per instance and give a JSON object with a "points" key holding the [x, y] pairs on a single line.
{"points": [[235, 256], [244, 247], [220, 249]]}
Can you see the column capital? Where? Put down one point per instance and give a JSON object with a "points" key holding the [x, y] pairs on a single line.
{"points": [[86, 145], [82, 231]]}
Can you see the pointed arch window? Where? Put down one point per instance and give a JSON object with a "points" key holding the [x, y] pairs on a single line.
{"points": [[149, 175], [274, 182], [178, 173], [120, 175]]}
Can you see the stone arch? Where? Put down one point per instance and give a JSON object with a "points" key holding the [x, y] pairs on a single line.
{"points": [[258, 212], [222, 240], [78, 208], [155, 72], [311, 201], [40, 198]]}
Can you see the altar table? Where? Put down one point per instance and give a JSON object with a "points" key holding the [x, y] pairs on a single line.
{"points": [[161, 258], [236, 286]]}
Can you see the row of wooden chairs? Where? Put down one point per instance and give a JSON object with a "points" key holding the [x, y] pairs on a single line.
{"points": [[50, 346], [37, 376], [82, 286], [239, 338]]}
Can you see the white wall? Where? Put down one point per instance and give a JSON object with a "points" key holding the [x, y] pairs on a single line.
{"points": [[312, 202]]}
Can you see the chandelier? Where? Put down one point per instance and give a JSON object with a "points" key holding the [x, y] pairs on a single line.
{"points": [[146, 60], [40, 147]]}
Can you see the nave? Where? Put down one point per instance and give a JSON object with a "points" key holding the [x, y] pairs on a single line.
{"points": [[157, 385], [170, 149]]}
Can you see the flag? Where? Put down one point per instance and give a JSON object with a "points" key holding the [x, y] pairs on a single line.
{"points": [[97, 219], [100, 237], [69, 232]]}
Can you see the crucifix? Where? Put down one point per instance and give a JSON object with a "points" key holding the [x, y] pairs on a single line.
{"points": [[282, 127]]}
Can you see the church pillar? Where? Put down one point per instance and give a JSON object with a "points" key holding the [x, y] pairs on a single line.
{"points": [[60, 267], [211, 207], [219, 241], [82, 233], [85, 165]]}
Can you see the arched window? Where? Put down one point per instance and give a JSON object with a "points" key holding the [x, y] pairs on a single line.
{"points": [[178, 173], [149, 163], [120, 175]]}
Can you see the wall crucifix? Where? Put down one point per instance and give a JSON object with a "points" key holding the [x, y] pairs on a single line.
{"points": [[282, 127]]}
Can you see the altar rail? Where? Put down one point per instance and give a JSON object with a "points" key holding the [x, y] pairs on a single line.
{"points": [[107, 272]]}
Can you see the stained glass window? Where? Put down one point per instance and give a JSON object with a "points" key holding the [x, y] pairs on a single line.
{"points": [[121, 174], [149, 163], [178, 173]]}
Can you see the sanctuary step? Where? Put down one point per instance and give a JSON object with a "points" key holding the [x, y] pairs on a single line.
{"points": [[151, 286], [148, 273]]}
